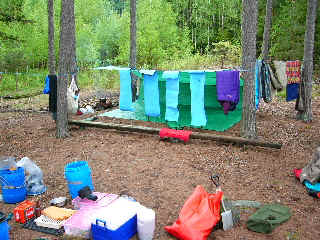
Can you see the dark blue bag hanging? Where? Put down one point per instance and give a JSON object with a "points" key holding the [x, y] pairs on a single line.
{"points": [[46, 89]]}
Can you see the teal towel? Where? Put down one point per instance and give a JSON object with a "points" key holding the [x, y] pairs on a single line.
{"points": [[198, 114], [172, 93], [151, 95], [125, 103]]}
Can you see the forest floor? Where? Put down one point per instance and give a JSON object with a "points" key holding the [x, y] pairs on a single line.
{"points": [[161, 175]]}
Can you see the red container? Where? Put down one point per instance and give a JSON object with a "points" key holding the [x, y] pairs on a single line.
{"points": [[24, 211]]}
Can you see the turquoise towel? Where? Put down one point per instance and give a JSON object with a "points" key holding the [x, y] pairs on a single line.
{"points": [[258, 82], [172, 93], [151, 95], [125, 103], [198, 114]]}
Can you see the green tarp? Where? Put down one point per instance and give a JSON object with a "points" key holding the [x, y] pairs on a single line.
{"points": [[216, 119]]}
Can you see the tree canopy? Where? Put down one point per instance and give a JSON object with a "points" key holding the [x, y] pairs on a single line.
{"points": [[166, 29]]}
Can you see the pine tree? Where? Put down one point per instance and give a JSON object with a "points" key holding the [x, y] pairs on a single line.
{"points": [[249, 31]]}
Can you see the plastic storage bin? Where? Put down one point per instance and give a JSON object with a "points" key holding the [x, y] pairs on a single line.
{"points": [[125, 232], [78, 175], [13, 185], [146, 223], [104, 199], [79, 224]]}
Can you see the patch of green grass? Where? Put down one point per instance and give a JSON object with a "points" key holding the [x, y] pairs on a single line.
{"points": [[99, 79], [282, 94]]}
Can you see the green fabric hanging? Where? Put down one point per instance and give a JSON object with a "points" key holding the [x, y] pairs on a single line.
{"points": [[216, 119]]}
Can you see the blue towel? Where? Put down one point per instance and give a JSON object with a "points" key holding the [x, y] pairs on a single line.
{"points": [[125, 103], [172, 93], [198, 114], [258, 82], [292, 91], [151, 95], [46, 89]]}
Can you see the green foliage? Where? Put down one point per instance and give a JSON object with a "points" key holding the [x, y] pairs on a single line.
{"points": [[287, 36], [108, 32], [168, 31], [158, 37], [209, 21], [226, 52]]}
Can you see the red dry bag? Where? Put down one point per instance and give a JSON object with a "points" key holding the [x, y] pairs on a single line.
{"points": [[199, 214]]}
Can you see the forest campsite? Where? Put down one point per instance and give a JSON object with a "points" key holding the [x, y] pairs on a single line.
{"points": [[159, 119]]}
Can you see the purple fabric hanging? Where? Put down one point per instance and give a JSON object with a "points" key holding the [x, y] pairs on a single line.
{"points": [[228, 86], [228, 89]]}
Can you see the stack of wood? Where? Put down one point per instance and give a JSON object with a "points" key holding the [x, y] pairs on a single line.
{"points": [[100, 104]]}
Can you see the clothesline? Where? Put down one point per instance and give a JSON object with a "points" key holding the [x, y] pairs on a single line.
{"points": [[145, 70]]}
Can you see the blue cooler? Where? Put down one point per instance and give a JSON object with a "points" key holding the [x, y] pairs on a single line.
{"points": [[124, 232]]}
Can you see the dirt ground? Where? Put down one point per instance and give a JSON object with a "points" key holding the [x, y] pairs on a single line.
{"points": [[161, 175]]}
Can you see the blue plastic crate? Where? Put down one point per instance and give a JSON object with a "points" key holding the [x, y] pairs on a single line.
{"points": [[125, 232]]}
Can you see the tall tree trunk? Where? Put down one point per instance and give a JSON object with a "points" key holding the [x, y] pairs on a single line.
{"points": [[249, 31], [266, 32], [133, 45], [308, 59], [66, 64], [51, 53]]}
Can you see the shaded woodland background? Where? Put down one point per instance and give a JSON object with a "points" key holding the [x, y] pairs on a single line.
{"points": [[167, 31]]}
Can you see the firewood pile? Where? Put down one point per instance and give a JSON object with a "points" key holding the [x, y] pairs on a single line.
{"points": [[100, 103]]}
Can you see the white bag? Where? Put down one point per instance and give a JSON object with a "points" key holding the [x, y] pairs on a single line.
{"points": [[73, 97], [34, 176]]}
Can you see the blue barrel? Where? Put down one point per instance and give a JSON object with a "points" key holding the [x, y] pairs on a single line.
{"points": [[78, 175], [13, 185], [4, 227]]}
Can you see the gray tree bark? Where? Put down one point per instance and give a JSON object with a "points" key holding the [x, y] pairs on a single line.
{"points": [[308, 60], [249, 31], [133, 45], [51, 49], [266, 32], [67, 63]]}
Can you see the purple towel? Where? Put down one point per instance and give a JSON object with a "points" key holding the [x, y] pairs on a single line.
{"points": [[228, 86]]}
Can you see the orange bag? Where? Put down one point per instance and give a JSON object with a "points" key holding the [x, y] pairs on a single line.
{"points": [[199, 214]]}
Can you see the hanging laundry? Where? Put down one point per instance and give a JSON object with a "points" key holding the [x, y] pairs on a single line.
{"points": [[53, 93], [151, 93], [293, 71], [198, 114], [293, 74], [265, 83], [292, 91], [125, 102], [228, 89], [46, 89], [172, 93], [276, 84], [280, 67], [258, 83]]}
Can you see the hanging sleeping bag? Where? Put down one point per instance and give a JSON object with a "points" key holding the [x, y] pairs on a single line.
{"points": [[199, 214]]}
